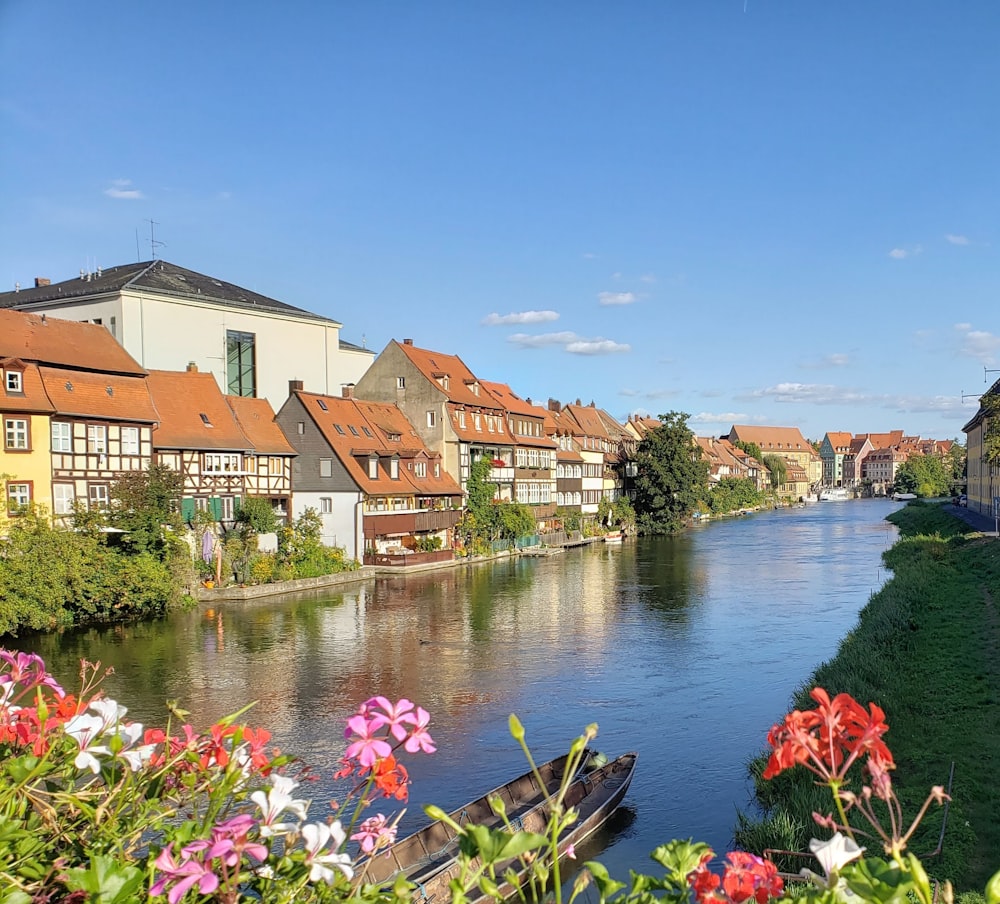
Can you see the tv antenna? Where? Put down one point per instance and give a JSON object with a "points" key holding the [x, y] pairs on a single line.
{"points": [[977, 395], [154, 243]]}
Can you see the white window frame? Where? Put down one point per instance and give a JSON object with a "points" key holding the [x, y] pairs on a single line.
{"points": [[373, 468], [431, 419], [420, 468], [62, 436], [394, 469], [326, 505], [18, 494], [222, 463], [326, 467], [98, 496], [15, 431], [97, 440], [130, 440], [63, 497], [14, 381]]}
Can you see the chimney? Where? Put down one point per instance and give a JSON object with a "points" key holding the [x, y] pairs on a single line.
{"points": [[42, 281], [554, 405], [347, 390], [295, 385], [192, 368], [407, 342]]}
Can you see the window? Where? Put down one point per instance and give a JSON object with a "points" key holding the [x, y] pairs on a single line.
{"points": [[325, 505], [62, 498], [400, 382], [62, 437], [275, 466], [339, 429], [367, 432], [461, 419], [394, 468], [431, 419], [301, 428], [97, 495], [14, 381], [130, 440], [326, 467], [322, 404], [420, 468], [373, 468], [222, 463], [227, 506], [437, 469], [16, 434], [97, 439], [351, 428], [241, 364], [18, 496]]}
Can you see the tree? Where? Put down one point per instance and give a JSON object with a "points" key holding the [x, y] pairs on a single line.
{"points": [[778, 468], [924, 475], [672, 476], [145, 505], [751, 449]]}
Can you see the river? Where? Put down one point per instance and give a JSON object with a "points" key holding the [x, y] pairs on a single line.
{"points": [[684, 649]]}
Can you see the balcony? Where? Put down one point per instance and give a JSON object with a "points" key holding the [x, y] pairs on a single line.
{"points": [[402, 559], [389, 523]]}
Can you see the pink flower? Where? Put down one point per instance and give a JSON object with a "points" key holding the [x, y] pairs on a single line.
{"points": [[183, 876], [396, 715], [419, 739], [367, 747], [236, 831], [374, 834]]}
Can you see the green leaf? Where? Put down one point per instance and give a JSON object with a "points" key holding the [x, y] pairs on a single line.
{"points": [[107, 881], [606, 886], [681, 857], [496, 845], [993, 889], [875, 880]]}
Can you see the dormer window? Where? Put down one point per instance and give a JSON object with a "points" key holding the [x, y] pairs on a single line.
{"points": [[14, 381], [373, 467], [394, 468]]}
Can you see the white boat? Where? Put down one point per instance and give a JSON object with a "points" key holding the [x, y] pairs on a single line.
{"points": [[834, 494], [615, 536]]}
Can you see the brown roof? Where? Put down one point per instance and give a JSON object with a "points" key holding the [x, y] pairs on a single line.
{"points": [[256, 419], [772, 439], [356, 429], [63, 343], [461, 381], [840, 441], [193, 412], [100, 395], [33, 398], [883, 440]]}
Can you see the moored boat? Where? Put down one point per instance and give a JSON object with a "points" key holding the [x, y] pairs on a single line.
{"points": [[834, 494], [429, 857]]}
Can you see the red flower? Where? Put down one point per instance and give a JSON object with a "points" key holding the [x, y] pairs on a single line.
{"points": [[748, 876], [704, 882], [391, 778], [828, 739]]}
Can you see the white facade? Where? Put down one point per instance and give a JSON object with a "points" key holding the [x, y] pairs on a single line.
{"points": [[342, 516]]}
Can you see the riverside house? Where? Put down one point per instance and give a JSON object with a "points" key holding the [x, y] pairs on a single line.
{"points": [[983, 487], [225, 448], [165, 316], [789, 443], [379, 491], [76, 412], [448, 406]]}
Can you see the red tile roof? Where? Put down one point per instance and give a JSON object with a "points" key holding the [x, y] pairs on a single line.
{"points": [[256, 419], [181, 398], [461, 381], [33, 398], [113, 397], [62, 343]]}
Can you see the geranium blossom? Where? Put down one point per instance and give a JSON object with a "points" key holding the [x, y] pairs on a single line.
{"points": [[277, 801], [419, 738], [325, 863], [180, 877], [367, 747], [382, 712], [835, 853], [374, 834]]}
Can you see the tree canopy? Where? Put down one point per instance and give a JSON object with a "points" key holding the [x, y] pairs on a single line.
{"points": [[672, 476], [778, 468], [924, 475]]}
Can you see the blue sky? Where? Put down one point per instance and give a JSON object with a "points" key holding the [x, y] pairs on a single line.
{"points": [[750, 211]]}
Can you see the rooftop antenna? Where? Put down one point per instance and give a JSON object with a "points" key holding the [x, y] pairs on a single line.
{"points": [[138, 253], [977, 395], [153, 243]]}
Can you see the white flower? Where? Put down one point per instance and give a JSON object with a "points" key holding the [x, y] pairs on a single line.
{"points": [[835, 853], [88, 728], [275, 802], [315, 835]]}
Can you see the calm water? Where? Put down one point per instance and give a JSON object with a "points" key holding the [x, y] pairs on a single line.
{"points": [[685, 650]]}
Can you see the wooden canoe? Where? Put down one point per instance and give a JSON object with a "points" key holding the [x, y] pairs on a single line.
{"points": [[429, 858]]}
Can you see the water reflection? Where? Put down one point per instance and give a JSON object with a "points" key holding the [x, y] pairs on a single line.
{"points": [[684, 649]]}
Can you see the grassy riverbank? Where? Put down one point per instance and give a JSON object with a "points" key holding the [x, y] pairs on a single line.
{"points": [[927, 650]]}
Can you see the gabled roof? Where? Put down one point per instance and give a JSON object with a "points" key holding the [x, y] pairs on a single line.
{"points": [[772, 439], [513, 403], [32, 398], [193, 413], [450, 374], [839, 441], [883, 440], [255, 418], [356, 429], [588, 419], [63, 343], [156, 276], [115, 397]]}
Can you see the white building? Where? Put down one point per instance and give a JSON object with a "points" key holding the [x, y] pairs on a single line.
{"points": [[167, 317]]}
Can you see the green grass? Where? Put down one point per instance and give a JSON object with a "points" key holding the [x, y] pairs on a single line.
{"points": [[927, 650]]}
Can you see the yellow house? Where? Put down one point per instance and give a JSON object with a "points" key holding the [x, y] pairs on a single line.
{"points": [[25, 458]]}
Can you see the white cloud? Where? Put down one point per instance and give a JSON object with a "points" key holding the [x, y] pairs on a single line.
{"points": [[589, 256], [120, 191], [649, 393], [541, 340], [899, 254], [725, 417], [957, 239], [615, 298], [597, 347], [978, 344], [963, 327], [647, 278], [813, 393], [520, 317], [571, 342]]}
